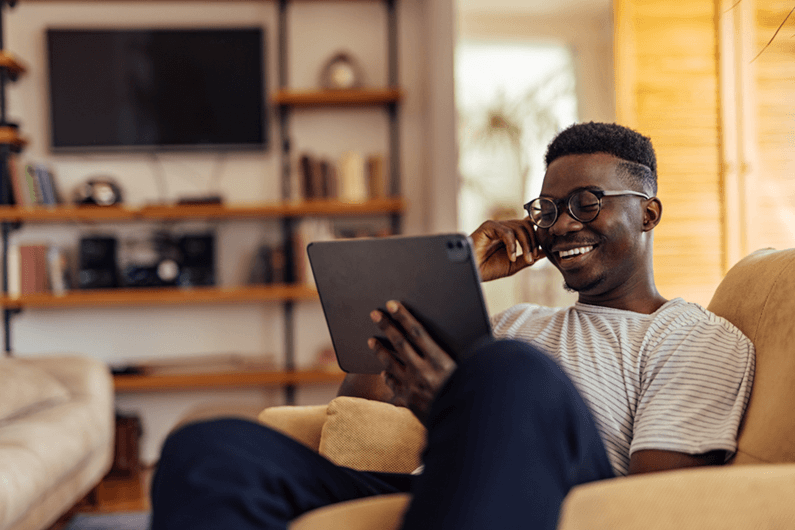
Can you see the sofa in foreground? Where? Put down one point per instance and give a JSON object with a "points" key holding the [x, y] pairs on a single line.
{"points": [[755, 490], [56, 436]]}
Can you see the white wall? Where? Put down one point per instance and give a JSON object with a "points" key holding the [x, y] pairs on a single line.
{"points": [[120, 335]]}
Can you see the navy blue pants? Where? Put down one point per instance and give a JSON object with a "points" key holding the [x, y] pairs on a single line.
{"points": [[508, 437]]}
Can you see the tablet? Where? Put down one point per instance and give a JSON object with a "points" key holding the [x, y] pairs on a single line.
{"points": [[434, 276]]}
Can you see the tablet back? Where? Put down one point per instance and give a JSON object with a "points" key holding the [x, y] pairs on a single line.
{"points": [[435, 277]]}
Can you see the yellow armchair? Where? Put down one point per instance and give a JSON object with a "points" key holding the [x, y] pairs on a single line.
{"points": [[754, 490]]}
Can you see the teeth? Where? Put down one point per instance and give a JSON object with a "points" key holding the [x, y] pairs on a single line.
{"points": [[574, 251]]}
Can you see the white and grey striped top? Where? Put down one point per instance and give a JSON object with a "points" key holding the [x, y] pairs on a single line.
{"points": [[675, 380]]}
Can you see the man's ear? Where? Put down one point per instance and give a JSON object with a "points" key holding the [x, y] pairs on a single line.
{"points": [[652, 214]]}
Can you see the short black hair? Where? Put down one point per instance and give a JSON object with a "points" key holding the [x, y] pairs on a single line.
{"points": [[639, 163]]}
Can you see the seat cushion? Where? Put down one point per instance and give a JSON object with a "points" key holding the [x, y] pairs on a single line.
{"points": [[25, 389]]}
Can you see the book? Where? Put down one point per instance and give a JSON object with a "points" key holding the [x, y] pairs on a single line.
{"points": [[46, 184], [328, 180], [318, 177], [305, 165], [18, 188], [33, 276], [377, 177], [57, 271], [352, 185], [13, 271], [29, 185]]}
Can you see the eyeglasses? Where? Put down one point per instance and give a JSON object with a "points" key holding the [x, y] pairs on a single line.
{"points": [[583, 205]]}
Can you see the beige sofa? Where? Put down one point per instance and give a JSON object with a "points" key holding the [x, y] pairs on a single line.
{"points": [[56, 436], [755, 490]]}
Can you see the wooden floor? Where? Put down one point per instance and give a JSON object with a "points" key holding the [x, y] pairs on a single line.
{"points": [[113, 494], [120, 494]]}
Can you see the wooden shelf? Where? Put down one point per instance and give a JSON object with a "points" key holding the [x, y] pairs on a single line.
{"points": [[12, 66], [337, 98], [162, 296], [318, 207], [9, 135], [166, 382]]}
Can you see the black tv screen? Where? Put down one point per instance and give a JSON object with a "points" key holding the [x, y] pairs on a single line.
{"points": [[157, 89]]}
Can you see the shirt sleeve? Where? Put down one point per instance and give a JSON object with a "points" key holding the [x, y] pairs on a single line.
{"points": [[695, 384]]}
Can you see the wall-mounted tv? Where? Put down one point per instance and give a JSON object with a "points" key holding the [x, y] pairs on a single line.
{"points": [[157, 89]]}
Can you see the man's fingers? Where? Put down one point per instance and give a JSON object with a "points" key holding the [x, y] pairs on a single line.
{"points": [[418, 335], [525, 238], [403, 349]]}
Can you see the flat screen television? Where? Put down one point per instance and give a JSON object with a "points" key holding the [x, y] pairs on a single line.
{"points": [[157, 89]]}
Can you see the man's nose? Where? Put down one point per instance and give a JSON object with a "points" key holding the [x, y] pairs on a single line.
{"points": [[565, 224]]}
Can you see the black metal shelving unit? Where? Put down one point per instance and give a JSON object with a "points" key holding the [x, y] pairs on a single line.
{"points": [[284, 112], [387, 98], [10, 142]]}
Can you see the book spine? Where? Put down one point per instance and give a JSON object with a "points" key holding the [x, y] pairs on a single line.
{"points": [[31, 187], [44, 180], [377, 176], [56, 270], [33, 269], [353, 188], [305, 165], [14, 280], [17, 186], [27, 269]]}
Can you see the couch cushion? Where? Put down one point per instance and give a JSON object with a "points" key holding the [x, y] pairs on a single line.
{"points": [[24, 389], [372, 436]]}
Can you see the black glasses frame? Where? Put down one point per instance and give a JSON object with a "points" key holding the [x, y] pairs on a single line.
{"points": [[558, 204]]}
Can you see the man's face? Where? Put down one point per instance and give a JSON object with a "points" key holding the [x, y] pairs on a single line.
{"points": [[608, 252]]}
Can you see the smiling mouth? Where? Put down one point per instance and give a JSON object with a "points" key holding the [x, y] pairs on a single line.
{"points": [[574, 252]]}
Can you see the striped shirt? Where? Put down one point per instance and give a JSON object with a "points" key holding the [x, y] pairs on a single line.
{"points": [[675, 380]]}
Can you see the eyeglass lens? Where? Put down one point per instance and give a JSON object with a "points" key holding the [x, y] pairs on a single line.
{"points": [[583, 206]]}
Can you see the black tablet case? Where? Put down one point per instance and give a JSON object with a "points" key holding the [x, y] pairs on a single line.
{"points": [[435, 277]]}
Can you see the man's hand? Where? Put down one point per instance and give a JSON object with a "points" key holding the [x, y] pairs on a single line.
{"points": [[415, 367], [503, 248]]}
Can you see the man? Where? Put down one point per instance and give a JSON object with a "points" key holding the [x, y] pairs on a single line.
{"points": [[629, 382]]}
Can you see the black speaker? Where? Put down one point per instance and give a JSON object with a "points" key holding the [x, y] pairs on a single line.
{"points": [[197, 265], [98, 268]]}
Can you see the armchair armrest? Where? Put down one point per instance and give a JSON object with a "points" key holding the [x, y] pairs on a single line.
{"points": [[383, 512], [86, 379], [700, 498], [304, 424]]}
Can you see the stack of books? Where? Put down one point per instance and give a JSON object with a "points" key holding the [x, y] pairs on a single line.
{"points": [[32, 184], [352, 179], [37, 268]]}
